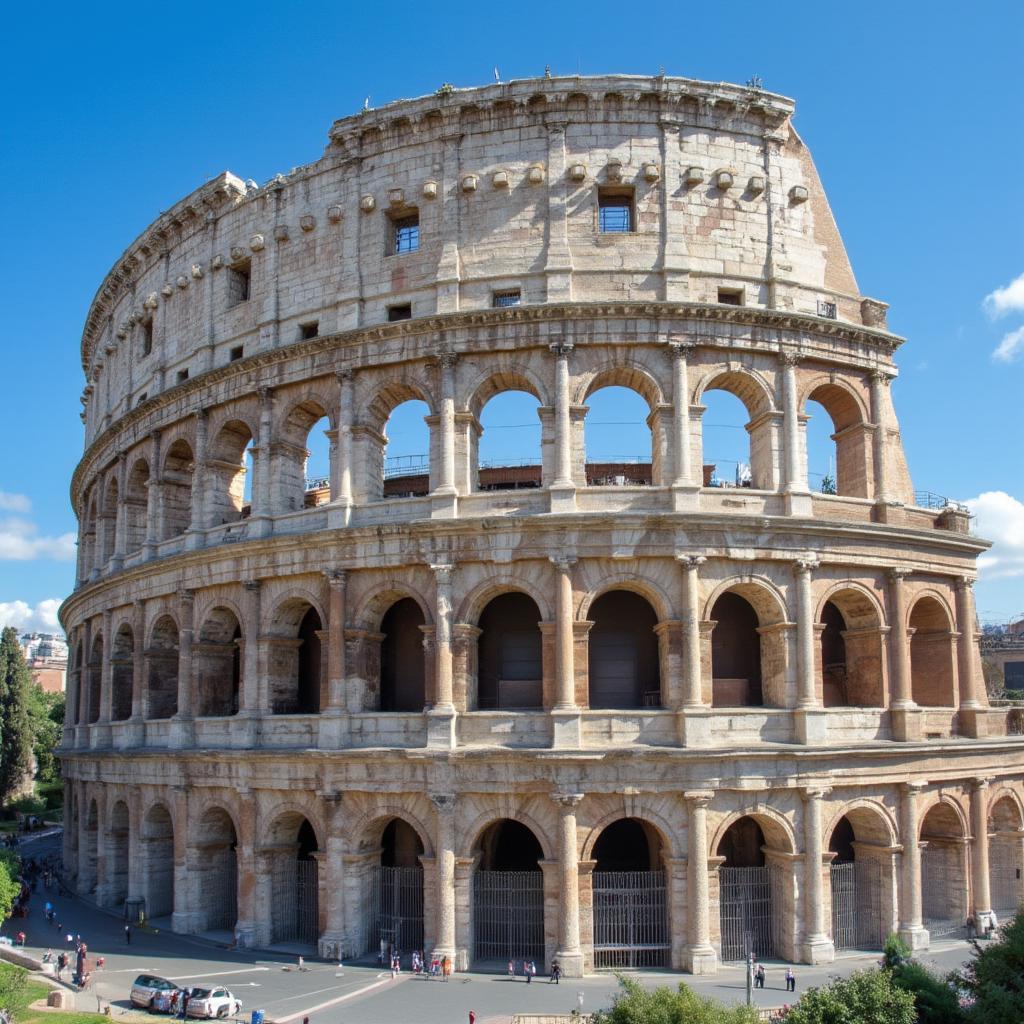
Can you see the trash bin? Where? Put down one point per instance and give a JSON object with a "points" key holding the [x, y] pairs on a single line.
{"points": [[257, 1017]]}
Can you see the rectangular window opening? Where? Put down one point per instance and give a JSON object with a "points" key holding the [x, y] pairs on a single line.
{"points": [[141, 398], [182, 375], [403, 312], [147, 337], [239, 279], [405, 233], [236, 353], [730, 296], [310, 330], [511, 297], [827, 309], [615, 210]]}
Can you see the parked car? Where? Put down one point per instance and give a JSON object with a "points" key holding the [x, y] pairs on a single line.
{"points": [[213, 1002], [146, 986]]}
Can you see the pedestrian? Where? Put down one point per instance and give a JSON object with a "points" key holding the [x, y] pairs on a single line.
{"points": [[556, 972], [531, 970], [472, 1017], [62, 962], [127, 933], [446, 968], [759, 976], [512, 969], [184, 1003], [790, 980]]}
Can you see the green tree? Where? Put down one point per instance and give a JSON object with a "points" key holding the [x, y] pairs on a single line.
{"points": [[10, 872], [46, 718], [935, 997], [634, 1004], [995, 977], [15, 728], [867, 997]]}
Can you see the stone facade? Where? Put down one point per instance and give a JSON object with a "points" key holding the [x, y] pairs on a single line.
{"points": [[278, 707]]}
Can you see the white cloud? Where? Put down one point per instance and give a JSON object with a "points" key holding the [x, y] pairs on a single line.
{"points": [[1000, 519], [14, 502], [1010, 347], [1006, 300], [20, 542], [23, 617]]}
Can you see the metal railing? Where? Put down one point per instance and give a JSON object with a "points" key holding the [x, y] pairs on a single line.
{"points": [[938, 502]]}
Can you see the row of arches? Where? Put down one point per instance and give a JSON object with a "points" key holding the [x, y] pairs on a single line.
{"points": [[755, 892]]}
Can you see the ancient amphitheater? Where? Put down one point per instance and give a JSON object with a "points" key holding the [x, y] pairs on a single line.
{"points": [[608, 714]]}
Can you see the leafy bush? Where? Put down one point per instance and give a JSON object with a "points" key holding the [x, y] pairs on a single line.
{"points": [[12, 987], [10, 884], [936, 1000], [867, 997], [995, 977], [28, 805], [636, 1005]]}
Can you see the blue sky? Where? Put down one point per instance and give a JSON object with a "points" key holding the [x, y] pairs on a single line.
{"points": [[913, 112]]}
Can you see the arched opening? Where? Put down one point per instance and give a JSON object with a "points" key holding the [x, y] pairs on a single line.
{"points": [[838, 443], [109, 545], [90, 559], [508, 894], [631, 926], [405, 452], [122, 675], [509, 671], [136, 512], [402, 665], [176, 489], [303, 459], [619, 440], [294, 902], [226, 465], [861, 881], [624, 670], [217, 664], [505, 448], [735, 653], [214, 864], [162, 669], [95, 678], [1006, 857], [393, 913], [851, 652], [748, 888], [158, 862], [117, 855], [88, 854], [295, 674], [944, 884], [75, 687], [932, 655], [738, 434], [319, 459]]}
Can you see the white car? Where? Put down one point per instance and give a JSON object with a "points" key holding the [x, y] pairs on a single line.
{"points": [[213, 1002]]}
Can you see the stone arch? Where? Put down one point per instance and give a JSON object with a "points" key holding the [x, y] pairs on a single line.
{"points": [[944, 876], [402, 677], [387, 396], [379, 598], [653, 593], [624, 665], [217, 662], [136, 500], [227, 470], [110, 503], [122, 672], [492, 382], [291, 450], [509, 671], [477, 599], [851, 647], [157, 845], [296, 665], [117, 854], [90, 521], [88, 853], [369, 827], [852, 431], [370, 438], [162, 668], [214, 869], [621, 374], [472, 834], [778, 830], [1005, 819], [294, 841], [869, 816], [95, 678], [1005, 809], [176, 480], [933, 677], [663, 827]]}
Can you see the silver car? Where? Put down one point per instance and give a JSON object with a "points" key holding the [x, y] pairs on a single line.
{"points": [[213, 1002], [146, 986]]}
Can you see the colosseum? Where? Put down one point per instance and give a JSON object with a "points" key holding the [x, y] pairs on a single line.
{"points": [[617, 715]]}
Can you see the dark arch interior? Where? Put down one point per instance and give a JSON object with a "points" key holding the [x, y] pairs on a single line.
{"points": [[309, 663], [624, 669], [400, 845], [833, 657], [509, 846], [735, 653], [307, 841], [509, 662], [402, 677], [627, 845], [741, 846], [841, 843]]}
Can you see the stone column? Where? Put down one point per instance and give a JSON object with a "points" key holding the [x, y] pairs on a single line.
{"points": [[120, 514], [245, 925], [879, 382], [444, 497], [912, 931], [154, 499], [333, 703], [138, 657], [686, 484], [249, 697], [181, 731], [701, 957], [342, 497], [181, 917], [809, 717], [565, 713], [798, 499], [85, 683], [445, 873], [563, 488], [971, 717], [904, 713], [693, 724], [569, 953], [818, 947], [106, 671], [448, 262], [981, 904], [332, 941], [261, 484], [441, 717], [200, 477]]}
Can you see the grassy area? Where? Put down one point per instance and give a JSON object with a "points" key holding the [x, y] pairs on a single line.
{"points": [[18, 999]]}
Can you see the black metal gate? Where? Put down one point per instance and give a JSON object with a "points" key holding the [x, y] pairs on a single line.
{"points": [[295, 903], [630, 919], [857, 905], [745, 912], [1004, 869], [221, 891], [940, 872], [394, 914], [508, 915]]}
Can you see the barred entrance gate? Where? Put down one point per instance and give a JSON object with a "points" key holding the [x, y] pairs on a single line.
{"points": [[221, 888], [745, 912], [939, 873], [856, 905], [1005, 877], [394, 914], [508, 915], [630, 919], [294, 897]]}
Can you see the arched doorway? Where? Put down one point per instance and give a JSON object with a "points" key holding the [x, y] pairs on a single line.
{"points": [[95, 678], [852, 673], [508, 895], [746, 893], [295, 887], [295, 659], [1006, 857], [162, 669], [394, 892], [838, 442], [944, 886], [735, 653], [217, 664], [215, 867], [226, 467], [509, 671], [624, 670], [861, 879], [158, 862], [631, 927], [136, 513], [122, 676], [117, 856], [176, 489], [89, 853], [402, 667], [931, 655]]}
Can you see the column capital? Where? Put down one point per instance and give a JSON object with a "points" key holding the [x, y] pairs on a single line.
{"points": [[266, 395], [897, 575], [186, 595], [914, 786], [444, 802], [251, 585], [698, 797], [790, 358], [691, 561], [881, 377], [155, 435], [682, 349], [561, 349], [336, 577], [443, 571], [815, 790], [964, 582], [446, 359], [980, 784], [346, 375], [805, 566], [568, 801], [563, 563]]}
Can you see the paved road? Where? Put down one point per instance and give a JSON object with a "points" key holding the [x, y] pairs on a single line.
{"points": [[363, 995]]}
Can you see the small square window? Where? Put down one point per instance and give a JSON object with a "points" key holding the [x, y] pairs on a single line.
{"points": [[147, 337], [405, 234], [236, 353], [827, 309], [615, 210], [239, 279], [182, 375], [141, 398], [307, 331], [730, 296], [511, 297], [403, 312]]}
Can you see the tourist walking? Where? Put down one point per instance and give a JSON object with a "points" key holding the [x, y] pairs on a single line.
{"points": [[759, 976], [446, 968], [790, 980], [556, 972], [512, 969]]}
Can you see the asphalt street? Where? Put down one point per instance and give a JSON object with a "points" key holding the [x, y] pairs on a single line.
{"points": [[332, 994]]}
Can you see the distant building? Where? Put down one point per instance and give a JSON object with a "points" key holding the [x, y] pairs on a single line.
{"points": [[1003, 650], [47, 657]]}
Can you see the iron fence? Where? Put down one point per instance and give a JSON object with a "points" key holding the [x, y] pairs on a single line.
{"points": [[508, 915], [745, 911], [630, 919]]}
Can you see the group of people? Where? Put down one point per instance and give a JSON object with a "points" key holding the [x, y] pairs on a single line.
{"points": [[760, 975], [435, 967], [529, 969]]}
